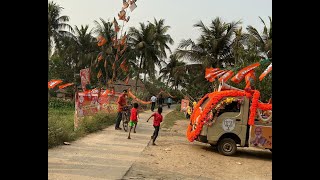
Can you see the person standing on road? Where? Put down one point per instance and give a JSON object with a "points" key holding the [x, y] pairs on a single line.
{"points": [[169, 102], [160, 101], [122, 102], [153, 102], [156, 124], [133, 118]]}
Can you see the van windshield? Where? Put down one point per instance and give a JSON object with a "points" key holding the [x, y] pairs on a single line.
{"points": [[205, 102]]}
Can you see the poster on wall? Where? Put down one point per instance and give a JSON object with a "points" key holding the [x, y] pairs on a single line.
{"points": [[260, 136], [184, 104], [87, 103], [85, 78]]}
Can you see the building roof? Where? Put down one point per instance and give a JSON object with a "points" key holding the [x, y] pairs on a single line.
{"points": [[119, 86]]}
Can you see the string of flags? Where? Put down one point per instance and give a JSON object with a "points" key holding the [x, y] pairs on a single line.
{"points": [[54, 82], [246, 73], [119, 44]]}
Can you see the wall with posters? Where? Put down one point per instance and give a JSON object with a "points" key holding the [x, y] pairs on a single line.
{"points": [[87, 103]]}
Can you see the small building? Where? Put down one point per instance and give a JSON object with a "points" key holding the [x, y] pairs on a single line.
{"points": [[119, 86], [61, 93]]}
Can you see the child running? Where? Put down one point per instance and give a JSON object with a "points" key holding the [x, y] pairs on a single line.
{"points": [[156, 124], [133, 118]]}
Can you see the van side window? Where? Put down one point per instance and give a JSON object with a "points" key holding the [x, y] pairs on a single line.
{"points": [[204, 103], [232, 107]]}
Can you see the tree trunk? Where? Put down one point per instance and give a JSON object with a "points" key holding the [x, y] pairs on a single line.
{"points": [[106, 69], [139, 70]]}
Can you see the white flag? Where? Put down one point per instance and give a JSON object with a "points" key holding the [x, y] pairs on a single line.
{"points": [[133, 6]]}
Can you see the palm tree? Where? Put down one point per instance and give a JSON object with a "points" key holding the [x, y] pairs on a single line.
{"points": [[56, 25], [239, 46], [86, 46], [142, 42], [213, 47], [167, 72], [161, 39], [63, 61], [108, 52], [264, 41]]}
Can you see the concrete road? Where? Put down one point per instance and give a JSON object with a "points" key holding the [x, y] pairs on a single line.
{"points": [[107, 154]]}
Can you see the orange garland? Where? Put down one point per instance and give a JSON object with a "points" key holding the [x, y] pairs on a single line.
{"points": [[253, 108], [215, 98], [137, 99], [264, 106]]}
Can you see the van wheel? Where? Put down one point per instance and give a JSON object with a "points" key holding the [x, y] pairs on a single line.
{"points": [[227, 147]]}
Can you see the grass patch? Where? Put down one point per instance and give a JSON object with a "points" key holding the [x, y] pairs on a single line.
{"points": [[171, 118], [61, 128]]}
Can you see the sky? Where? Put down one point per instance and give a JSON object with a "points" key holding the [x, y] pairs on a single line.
{"points": [[180, 15]]}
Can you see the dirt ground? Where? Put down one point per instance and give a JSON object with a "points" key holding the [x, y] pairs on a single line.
{"points": [[174, 157]]}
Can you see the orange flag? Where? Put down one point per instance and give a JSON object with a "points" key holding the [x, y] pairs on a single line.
{"points": [[265, 72], [122, 51], [99, 74], [124, 66], [101, 40], [240, 75], [53, 83], [100, 56], [116, 26], [211, 75], [219, 74], [125, 5], [105, 93], [123, 39], [127, 80], [122, 15], [226, 76], [65, 85]]}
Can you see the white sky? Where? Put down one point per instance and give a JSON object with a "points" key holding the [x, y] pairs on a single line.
{"points": [[181, 15]]}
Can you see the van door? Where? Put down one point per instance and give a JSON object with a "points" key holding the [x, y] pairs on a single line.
{"points": [[230, 119]]}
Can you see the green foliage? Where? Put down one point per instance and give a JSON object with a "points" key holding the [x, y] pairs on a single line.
{"points": [[178, 107], [171, 118], [61, 124], [97, 122], [58, 103]]}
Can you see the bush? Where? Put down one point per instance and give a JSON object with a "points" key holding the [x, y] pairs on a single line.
{"points": [[171, 118], [178, 107], [57, 103], [97, 122], [61, 127]]}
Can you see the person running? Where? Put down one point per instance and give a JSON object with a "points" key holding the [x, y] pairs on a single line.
{"points": [[156, 124], [133, 118]]}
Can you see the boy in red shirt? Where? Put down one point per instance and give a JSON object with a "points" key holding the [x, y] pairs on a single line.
{"points": [[156, 124], [133, 118]]}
